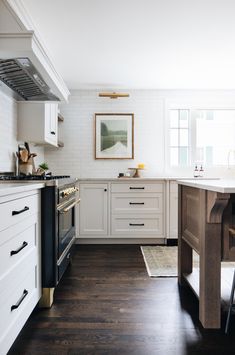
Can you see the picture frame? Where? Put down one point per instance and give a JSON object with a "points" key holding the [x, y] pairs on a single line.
{"points": [[114, 136]]}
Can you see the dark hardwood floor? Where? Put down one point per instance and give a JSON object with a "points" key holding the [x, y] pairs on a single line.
{"points": [[107, 304]]}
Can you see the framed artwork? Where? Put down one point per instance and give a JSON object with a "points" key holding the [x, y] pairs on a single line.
{"points": [[114, 136]]}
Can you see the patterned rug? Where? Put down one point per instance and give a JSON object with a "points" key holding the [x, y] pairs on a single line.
{"points": [[161, 261]]}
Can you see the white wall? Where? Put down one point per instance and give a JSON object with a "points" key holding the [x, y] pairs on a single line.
{"points": [[150, 130], [77, 131], [77, 156], [8, 134]]}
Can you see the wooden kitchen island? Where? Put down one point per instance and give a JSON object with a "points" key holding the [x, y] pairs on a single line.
{"points": [[207, 225]]}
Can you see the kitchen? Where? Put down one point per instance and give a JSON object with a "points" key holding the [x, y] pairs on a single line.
{"points": [[99, 296]]}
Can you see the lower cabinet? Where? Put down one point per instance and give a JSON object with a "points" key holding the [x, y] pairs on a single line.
{"points": [[93, 219], [20, 275], [127, 209], [133, 225], [137, 209]]}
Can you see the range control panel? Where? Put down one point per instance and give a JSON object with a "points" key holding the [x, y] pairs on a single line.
{"points": [[68, 191]]}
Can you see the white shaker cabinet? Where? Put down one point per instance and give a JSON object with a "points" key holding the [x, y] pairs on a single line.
{"points": [[38, 122], [141, 209], [20, 263], [122, 209], [137, 209], [93, 219]]}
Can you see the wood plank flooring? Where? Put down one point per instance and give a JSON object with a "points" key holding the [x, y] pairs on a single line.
{"points": [[107, 304]]}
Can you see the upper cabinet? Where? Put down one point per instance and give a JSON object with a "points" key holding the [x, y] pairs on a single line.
{"points": [[38, 122]]}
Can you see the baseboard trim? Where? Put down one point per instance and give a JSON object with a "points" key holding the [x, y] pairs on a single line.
{"points": [[149, 241], [172, 242]]}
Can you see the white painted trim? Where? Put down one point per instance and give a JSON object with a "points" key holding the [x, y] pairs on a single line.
{"points": [[11, 7]]}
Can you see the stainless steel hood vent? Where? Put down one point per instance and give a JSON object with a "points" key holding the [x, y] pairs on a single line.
{"points": [[21, 76]]}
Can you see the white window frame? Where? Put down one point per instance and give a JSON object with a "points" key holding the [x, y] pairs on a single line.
{"points": [[179, 128], [180, 104]]}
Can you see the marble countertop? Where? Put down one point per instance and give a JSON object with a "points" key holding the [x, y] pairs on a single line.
{"points": [[217, 185], [12, 188]]}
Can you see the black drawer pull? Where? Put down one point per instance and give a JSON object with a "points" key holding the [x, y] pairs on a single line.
{"points": [[15, 306], [136, 188], [136, 203], [136, 224], [21, 211], [13, 252], [52, 132]]}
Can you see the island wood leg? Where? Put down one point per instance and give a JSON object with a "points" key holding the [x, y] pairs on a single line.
{"points": [[212, 206], [210, 276], [184, 250], [200, 228]]}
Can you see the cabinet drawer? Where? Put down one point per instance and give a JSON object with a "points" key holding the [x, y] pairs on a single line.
{"points": [[17, 248], [137, 187], [15, 276], [18, 305], [137, 203], [136, 225], [15, 211]]}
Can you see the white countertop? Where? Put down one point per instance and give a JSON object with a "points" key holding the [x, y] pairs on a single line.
{"points": [[141, 179], [17, 187], [125, 179], [217, 185], [167, 178]]}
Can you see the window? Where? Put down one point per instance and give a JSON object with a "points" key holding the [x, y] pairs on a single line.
{"points": [[201, 136], [179, 137]]}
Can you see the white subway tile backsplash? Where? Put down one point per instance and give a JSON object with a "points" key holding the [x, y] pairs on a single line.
{"points": [[77, 132]]}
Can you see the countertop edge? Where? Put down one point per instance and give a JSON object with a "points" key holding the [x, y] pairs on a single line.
{"points": [[123, 179], [210, 185], [13, 188]]}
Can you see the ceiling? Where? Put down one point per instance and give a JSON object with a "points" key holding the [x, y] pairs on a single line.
{"points": [[139, 44]]}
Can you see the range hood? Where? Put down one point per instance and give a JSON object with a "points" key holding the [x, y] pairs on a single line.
{"points": [[27, 70]]}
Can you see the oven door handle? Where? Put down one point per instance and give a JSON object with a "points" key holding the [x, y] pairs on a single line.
{"points": [[65, 210], [63, 255]]}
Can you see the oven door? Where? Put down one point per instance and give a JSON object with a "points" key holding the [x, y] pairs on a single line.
{"points": [[66, 225]]}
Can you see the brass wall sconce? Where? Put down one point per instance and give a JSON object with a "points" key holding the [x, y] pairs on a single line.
{"points": [[113, 95]]}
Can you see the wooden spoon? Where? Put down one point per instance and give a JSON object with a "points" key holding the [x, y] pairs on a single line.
{"points": [[24, 155]]}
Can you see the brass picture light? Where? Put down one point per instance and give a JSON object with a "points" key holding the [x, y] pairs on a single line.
{"points": [[113, 95]]}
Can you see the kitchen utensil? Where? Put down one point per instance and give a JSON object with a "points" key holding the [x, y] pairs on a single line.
{"points": [[17, 163], [26, 144], [24, 155], [31, 155]]}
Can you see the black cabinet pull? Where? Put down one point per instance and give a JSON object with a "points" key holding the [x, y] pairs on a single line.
{"points": [[53, 132], [13, 252], [15, 306], [136, 224], [21, 211], [136, 188], [105, 190], [136, 203]]}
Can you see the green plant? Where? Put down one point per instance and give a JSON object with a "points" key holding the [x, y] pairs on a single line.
{"points": [[44, 166]]}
